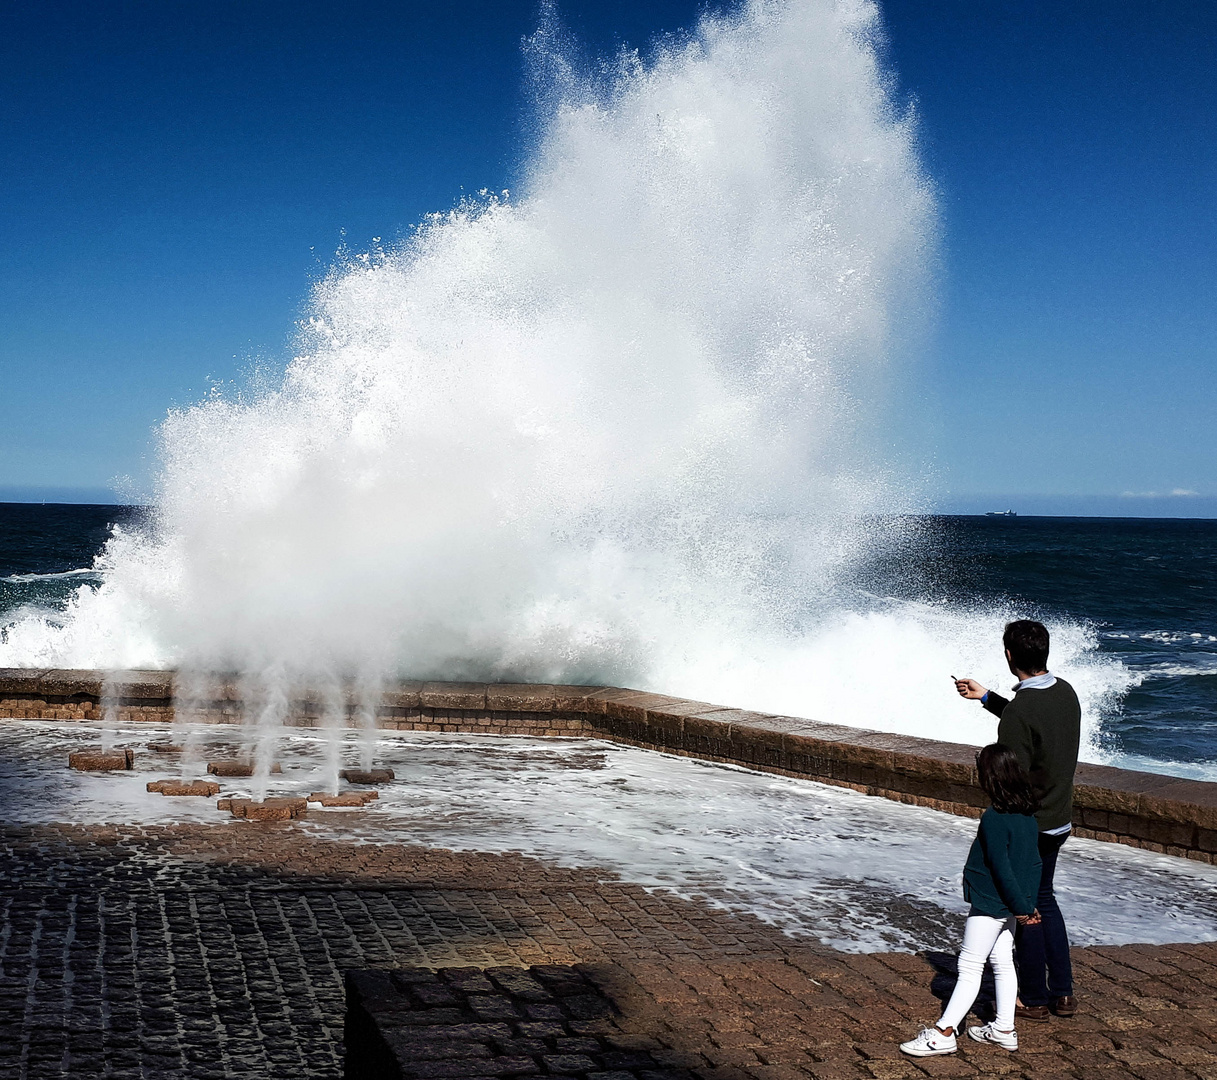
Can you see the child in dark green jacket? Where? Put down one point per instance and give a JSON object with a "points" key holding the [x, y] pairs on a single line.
{"points": [[1000, 881]]}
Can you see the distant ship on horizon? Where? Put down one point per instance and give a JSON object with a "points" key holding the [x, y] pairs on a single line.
{"points": [[1001, 513]]}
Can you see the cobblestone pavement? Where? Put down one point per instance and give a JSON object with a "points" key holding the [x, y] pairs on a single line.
{"points": [[479, 1023], [219, 951]]}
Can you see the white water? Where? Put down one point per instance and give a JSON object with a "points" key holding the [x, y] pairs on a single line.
{"points": [[854, 872], [626, 425]]}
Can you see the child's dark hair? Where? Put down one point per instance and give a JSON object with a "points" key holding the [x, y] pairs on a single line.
{"points": [[1005, 781]]}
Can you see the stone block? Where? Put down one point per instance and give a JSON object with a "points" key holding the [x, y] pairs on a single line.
{"points": [[1121, 824], [21, 680], [814, 729], [1193, 801], [704, 736], [933, 760], [1173, 833], [206, 788], [99, 761], [756, 746], [403, 695], [665, 730], [627, 730], [871, 750], [226, 688], [61, 682], [1139, 828], [143, 685], [1119, 791], [522, 698], [367, 776], [277, 809], [632, 705], [578, 699], [446, 695], [235, 767], [344, 798], [847, 770], [807, 755], [1092, 819]]}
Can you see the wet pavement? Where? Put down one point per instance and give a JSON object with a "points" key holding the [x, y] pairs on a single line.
{"points": [[845, 870], [699, 900]]}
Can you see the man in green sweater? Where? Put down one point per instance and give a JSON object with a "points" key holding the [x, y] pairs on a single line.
{"points": [[1042, 725]]}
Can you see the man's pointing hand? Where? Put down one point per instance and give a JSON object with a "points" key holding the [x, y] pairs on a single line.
{"points": [[969, 688]]}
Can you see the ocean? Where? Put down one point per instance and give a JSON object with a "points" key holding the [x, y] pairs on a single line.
{"points": [[1147, 588]]}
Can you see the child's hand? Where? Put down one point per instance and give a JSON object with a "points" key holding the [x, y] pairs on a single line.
{"points": [[1029, 920]]}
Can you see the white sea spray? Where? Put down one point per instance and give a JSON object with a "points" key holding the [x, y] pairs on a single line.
{"points": [[624, 425], [854, 872]]}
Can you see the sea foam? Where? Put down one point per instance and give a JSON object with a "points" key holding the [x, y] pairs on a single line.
{"points": [[624, 424]]}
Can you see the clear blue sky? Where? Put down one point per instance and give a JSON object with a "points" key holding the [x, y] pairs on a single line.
{"points": [[174, 175]]}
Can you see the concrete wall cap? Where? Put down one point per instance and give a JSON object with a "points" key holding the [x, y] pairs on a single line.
{"points": [[20, 680], [817, 729], [882, 740], [678, 709], [537, 697], [624, 695], [61, 682], [451, 695], [736, 718], [1191, 801], [1125, 780], [406, 694], [633, 705], [142, 684]]}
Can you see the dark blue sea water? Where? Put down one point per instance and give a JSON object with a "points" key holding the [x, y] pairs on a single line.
{"points": [[1147, 586]]}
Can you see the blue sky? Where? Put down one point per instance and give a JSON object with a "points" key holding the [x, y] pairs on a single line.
{"points": [[173, 176]]}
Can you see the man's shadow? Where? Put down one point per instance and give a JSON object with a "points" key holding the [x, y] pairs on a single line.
{"points": [[946, 974]]}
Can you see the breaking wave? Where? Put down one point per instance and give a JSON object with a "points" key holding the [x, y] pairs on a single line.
{"points": [[625, 424]]}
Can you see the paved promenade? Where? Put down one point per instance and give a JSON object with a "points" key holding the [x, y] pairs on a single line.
{"points": [[219, 951]]}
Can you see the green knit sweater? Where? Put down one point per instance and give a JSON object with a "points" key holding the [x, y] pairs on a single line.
{"points": [[1043, 728], [1002, 875]]}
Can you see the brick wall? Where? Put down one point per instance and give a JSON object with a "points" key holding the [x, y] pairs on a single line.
{"points": [[1146, 810]]}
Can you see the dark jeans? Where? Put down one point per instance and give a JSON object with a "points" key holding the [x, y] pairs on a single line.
{"points": [[1044, 949]]}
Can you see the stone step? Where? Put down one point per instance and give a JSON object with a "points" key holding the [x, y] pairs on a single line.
{"points": [[205, 788], [101, 760], [236, 767], [367, 776], [344, 798], [274, 809]]}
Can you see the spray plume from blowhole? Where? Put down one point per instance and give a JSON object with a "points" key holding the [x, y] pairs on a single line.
{"points": [[617, 427]]}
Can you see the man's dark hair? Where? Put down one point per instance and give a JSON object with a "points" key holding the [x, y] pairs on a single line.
{"points": [[1005, 781], [1027, 641]]}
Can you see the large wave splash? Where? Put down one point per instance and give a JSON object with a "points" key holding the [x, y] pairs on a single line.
{"points": [[623, 425]]}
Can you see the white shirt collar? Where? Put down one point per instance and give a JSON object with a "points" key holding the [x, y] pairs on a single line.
{"points": [[1036, 682]]}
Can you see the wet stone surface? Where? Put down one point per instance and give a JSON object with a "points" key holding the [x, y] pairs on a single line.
{"points": [[467, 1022], [221, 950], [101, 760]]}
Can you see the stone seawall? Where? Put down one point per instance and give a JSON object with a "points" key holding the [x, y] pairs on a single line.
{"points": [[1146, 810]]}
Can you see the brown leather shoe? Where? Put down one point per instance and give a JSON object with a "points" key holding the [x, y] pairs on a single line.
{"points": [[1038, 1013], [1064, 1006]]}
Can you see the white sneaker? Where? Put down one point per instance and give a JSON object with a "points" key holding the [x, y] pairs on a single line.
{"points": [[931, 1041], [989, 1033]]}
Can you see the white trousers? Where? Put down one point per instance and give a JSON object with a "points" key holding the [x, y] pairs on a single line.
{"points": [[985, 938]]}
